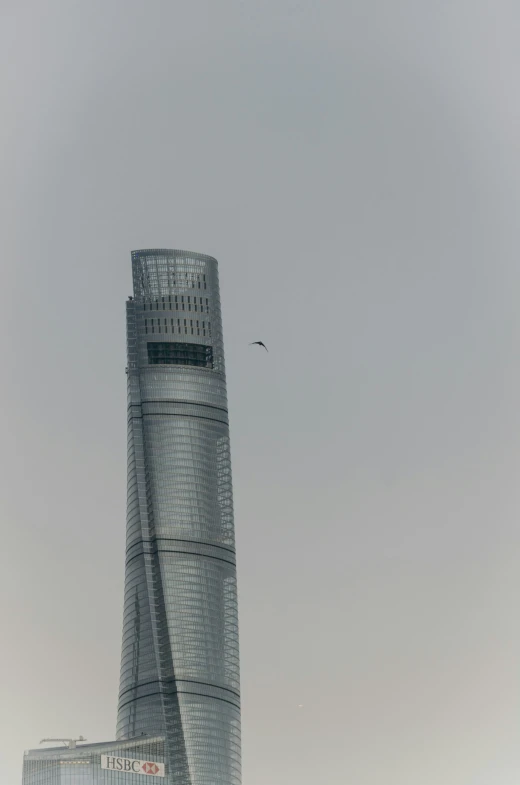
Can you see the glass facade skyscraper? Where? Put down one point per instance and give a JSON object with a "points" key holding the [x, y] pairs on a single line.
{"points": [[180, 668], [179, 681]]}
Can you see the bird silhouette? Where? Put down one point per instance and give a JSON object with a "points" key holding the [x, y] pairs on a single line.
{"points": [[259, 343]]}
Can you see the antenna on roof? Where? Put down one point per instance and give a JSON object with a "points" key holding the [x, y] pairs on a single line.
{"points": [[71, 743]]}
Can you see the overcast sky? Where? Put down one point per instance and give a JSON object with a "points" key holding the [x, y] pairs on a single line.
{"points": [[354, 165]]}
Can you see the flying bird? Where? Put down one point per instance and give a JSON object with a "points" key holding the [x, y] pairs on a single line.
{"points": [[259, 343]]}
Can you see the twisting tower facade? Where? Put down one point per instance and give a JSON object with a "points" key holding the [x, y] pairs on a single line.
{"points": [[180, 666]]}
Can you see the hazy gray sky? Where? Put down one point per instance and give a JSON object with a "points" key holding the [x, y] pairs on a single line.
{"points": [[354, 166]]}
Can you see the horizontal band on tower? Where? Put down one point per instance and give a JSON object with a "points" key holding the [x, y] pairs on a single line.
{"points": [[179, 400], [146, 541], [174, 681], [176, 414], [179, 692], [186, 553]]}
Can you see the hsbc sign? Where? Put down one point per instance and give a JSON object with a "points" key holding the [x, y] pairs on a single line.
{"points": [[132, 766]]}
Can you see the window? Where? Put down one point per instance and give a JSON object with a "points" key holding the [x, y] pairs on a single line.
{"points": [[161, 353]]}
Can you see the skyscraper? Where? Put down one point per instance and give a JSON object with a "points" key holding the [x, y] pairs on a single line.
{"points": [[179, 700], [180, 668]]}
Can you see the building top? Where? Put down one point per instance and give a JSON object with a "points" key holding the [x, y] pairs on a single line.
{"points": [[172, 253], [86, 749], [162, 272]]}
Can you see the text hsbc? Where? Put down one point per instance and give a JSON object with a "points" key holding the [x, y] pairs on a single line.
{"points": [[132, 765], [123, 764]]}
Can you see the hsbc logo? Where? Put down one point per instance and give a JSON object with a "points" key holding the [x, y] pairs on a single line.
{"points": [[150, 768], [132, 766]]}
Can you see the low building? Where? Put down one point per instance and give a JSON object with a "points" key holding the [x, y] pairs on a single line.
{"points": [[106, 763]]}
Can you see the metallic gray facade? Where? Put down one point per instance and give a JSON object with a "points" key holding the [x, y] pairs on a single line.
{"points": [[82, 765], [180, 666]]}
